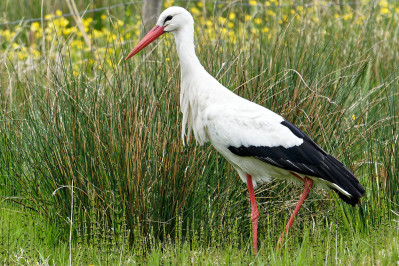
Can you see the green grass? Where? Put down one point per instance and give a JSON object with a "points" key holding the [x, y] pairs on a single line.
{"points": [[113, 135], [27, 238]]}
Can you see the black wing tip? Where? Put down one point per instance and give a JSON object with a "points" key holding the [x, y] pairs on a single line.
{"points": [[340, 175], [351, 200]]}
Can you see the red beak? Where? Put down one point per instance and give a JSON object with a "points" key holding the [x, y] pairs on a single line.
{"points": [[149, 38]]}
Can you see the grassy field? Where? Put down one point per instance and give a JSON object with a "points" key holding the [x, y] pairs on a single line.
{"points": [[92, 166]]}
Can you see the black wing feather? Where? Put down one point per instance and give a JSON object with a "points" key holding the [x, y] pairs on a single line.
{"points": [[307, 159]]}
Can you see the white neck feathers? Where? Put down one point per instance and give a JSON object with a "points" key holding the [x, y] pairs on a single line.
{"points": [[193, 76]]}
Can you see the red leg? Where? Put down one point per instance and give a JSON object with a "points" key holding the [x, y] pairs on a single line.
{"points": [[308, 185], [255, 212]]}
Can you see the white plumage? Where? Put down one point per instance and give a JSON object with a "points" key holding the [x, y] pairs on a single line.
{"points": [[259, 143]]}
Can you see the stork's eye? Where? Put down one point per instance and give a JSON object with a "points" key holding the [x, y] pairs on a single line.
{"points": [[167, 18]]}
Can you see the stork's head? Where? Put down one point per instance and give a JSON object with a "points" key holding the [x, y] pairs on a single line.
{"points": [[171, 19]]}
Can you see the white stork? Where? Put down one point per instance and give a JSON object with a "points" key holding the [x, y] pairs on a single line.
{"points": [[258, 143]]}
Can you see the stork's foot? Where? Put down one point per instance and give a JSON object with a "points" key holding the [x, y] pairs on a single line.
{"points": [[308, 185]]}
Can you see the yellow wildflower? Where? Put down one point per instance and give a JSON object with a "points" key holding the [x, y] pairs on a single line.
{"points": [[35, 26], [202, 21], [385, 11], [109, 62], [232, 15], [257, 21], [39, 33], [168, 3], [61, 22], [22, 55], [111, 38], [103, 16], [87, 21], [97, 34], [315, 19], [6, 34], [221, 20], [77, 44], [284, 18], [67, 31], [195, 11], [347, 16], [383, 3], [253, 2], [230, 25], [265, 30], [360, 20], [271, 13], [58, 13], [35, 53], [232, 37], [247, 17], [353, 117]]}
